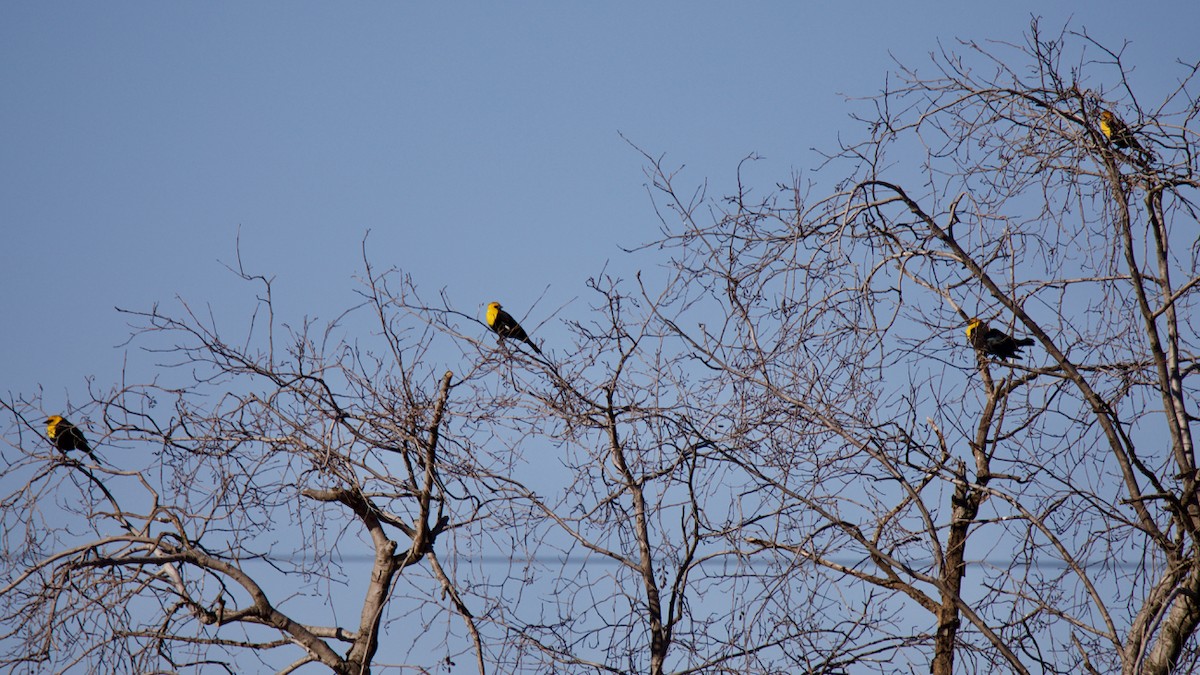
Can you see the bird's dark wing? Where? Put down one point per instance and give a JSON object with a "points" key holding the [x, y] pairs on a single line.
{"points": [[507, 326]]}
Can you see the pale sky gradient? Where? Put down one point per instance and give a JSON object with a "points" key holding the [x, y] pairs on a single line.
{"points": [[479, 143]]}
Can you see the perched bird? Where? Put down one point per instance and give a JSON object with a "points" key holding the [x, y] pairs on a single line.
{"points": [[66, 436], [1117, 133], [994, 342], [506, 326]]}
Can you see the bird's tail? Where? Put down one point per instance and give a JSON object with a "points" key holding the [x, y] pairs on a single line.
{"points": [[1145, 158], [1025, 342]]}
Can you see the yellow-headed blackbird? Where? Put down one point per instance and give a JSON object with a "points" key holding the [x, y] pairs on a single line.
{"points": [[994, 342], [1117, 132], [66, 436], [506, 326]]}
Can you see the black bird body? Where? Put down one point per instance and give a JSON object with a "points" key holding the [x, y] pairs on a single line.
{"points": [[66, 436], [1117, 132], [995, 342], [505, 326]]}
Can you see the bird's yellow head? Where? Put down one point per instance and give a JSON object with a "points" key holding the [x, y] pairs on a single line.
{"points": [[492, 313], [972, 326], [1108, 123], [52, 423]]}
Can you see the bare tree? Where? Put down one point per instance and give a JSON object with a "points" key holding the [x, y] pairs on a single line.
{"points": [[226, 500], [626, 561], [985, 189]]}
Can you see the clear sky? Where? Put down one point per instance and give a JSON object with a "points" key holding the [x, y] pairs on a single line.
{"points": [[479, 143]]}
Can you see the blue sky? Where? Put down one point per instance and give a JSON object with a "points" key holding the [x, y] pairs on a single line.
{"points": [[480, 144]]}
